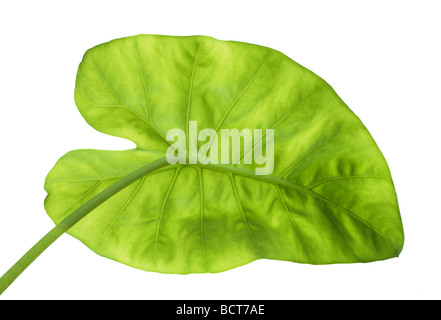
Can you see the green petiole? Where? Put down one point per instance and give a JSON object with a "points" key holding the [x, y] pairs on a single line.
{"points": [[9, 277]]}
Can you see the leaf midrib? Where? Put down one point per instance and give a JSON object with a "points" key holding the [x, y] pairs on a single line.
{"points": [[277, 181], [230, 170]]}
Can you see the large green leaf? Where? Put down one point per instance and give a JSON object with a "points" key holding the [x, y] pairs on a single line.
{"points": [[330, 198]]}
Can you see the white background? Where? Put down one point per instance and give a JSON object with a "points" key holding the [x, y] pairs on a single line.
{"points": [[382, 58]]}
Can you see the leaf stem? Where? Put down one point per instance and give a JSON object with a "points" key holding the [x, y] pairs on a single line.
{"points": [[12, 274]]}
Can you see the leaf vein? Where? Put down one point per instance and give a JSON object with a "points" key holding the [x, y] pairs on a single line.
{"points": [[164, 203], [125, 107], [291, 167], [279, 181], [190, 89], [331, 220], [120, 212], [286, 116], [242, 92], [81, 198], [201, 191], [147, 99], [288, 212], [233, 183], [315, 184]]}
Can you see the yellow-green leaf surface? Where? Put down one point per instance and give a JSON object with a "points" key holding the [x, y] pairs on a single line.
{"points": [[329, 199]]}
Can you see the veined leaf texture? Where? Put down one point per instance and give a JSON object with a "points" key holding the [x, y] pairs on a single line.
{"points": [[330, 197]]}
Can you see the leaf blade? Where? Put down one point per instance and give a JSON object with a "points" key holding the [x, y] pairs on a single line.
{"points": [[330, 198]]}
